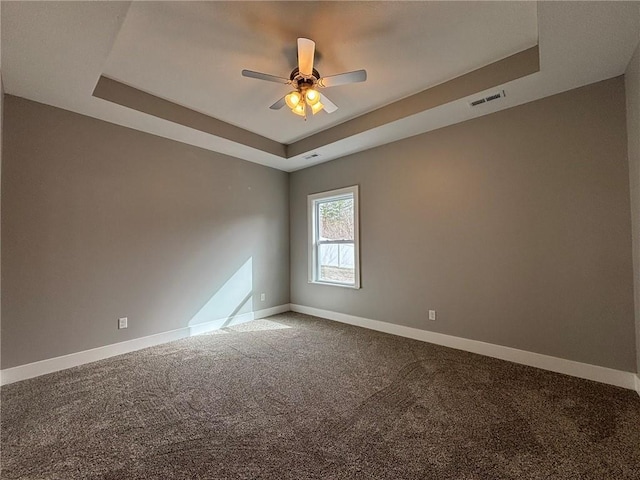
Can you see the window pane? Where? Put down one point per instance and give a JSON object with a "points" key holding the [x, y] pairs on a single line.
{"points": [[335, 219], [336, 263]]}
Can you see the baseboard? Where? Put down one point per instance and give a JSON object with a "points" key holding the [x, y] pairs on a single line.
{"points": [[560, 365], [568, 367], [267, 312], [35, 369]]}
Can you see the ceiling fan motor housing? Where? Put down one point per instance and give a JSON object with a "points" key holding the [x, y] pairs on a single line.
{"points": [[302, 81]]}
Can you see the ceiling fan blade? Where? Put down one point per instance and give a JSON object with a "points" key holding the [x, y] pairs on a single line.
{"points": [[343, 79], [306, 51], [278, 105], [264, 76], [329, 106]]}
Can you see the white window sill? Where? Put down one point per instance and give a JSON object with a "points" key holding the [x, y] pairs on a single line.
{"points": [[332, 284]]}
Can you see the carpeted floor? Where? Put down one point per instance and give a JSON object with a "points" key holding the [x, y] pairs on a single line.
{"points": [[296, 397]]}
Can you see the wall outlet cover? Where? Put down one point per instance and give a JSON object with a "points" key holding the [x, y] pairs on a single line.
{"points": [[432, 314], [122, 323]]}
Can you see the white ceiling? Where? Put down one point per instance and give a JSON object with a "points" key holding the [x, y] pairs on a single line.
{"points": [[192, 53]]}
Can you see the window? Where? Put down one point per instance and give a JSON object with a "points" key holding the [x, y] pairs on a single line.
{"points": [[334, 257]]}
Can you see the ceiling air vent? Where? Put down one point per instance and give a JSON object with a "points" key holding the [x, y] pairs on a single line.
{"points": [[488, 98], [313, 155]]}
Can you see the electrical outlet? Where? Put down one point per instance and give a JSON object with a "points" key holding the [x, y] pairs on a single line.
{"points": [[263, 297], [432, 315], [122, 323]]}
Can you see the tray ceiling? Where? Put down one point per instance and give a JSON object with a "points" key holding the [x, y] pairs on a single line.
{"points": [[190, 54]]}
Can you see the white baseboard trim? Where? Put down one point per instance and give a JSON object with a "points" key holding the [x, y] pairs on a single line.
{"points": [[267, 312], [560, 365], [35, 369], [638, 384]]}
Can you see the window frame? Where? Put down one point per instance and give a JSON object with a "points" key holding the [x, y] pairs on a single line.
{"points": [[313, 200]]}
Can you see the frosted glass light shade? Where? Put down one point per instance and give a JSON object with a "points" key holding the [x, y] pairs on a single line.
{"points": [[317, 107], [293, 99], [299, 109], [312, 97]]}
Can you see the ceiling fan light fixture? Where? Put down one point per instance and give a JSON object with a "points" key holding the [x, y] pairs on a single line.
{"points": [[304, 79], [312, 97], [299, 109], [293, 99], [316, 107]]}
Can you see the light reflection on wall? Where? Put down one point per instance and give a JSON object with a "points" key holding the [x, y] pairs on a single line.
{"points": [[230, 305]]}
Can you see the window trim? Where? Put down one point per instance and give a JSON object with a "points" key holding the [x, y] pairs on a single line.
{"points": [[312, 227]]}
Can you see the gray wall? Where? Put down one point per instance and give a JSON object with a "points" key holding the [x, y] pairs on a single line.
{"points": [[100, 221], [632, 84], [1, 130], [515, 227]]}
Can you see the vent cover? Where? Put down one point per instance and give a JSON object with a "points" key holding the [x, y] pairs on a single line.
{"points": [[488, 98], [313, 155]]}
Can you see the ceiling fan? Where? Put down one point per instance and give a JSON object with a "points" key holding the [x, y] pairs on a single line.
{"points": [[306, 80]]}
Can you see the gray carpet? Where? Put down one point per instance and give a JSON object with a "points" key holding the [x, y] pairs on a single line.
{"points": [[296, 397]]}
